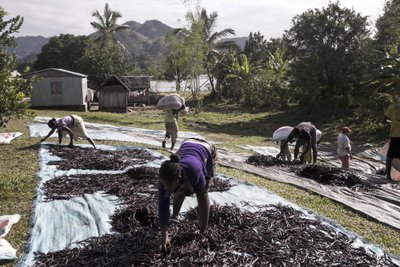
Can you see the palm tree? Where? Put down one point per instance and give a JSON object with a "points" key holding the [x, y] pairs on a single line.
{"points": [[107, 23], [205, 47], [217, 46]]}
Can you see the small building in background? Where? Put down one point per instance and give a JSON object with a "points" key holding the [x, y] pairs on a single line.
{"points": [[59, 88], [119, 92]]}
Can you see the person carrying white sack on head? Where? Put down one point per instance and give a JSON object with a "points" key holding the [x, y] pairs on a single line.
{"points": [[171, 125], [172, 105]]}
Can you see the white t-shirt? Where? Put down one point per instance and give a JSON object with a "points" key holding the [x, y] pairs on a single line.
{"points": [[343, 143]]}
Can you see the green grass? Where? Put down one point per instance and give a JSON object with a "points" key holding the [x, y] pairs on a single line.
{"points": [[230, 125], [18, 178]]}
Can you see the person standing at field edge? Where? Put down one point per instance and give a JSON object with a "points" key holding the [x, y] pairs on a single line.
{"points": [[392, 113], [72, 125], [344, 148]]}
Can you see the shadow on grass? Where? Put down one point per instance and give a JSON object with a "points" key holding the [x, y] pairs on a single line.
{"points": [[324, 118], [5, 262], [123, 119], [262, 126], [33, 147]]}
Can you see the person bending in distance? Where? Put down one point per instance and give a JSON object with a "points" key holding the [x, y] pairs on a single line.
{"points": [[72, 125], [304, 132]]}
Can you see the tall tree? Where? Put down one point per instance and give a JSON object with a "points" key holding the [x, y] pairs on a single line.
{"points": [[62, 51], [326, 46], [103, 60], [177, 61], [381, 84], [256, 48], [193, 46], [388, 26], [239, 78], [12, 89], [109, 56], [196, 48], [261, 84], [216, 44], [272, 88], [107, 23], [275, 44]]}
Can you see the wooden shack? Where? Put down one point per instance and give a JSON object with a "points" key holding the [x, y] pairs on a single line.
{"points": [[59, 89], [119, 92]]}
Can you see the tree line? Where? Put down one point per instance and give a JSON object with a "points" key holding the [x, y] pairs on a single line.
{"points": [[328, 58]]}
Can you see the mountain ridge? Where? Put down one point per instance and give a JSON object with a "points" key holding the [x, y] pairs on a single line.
{"points": [[141, 40]]}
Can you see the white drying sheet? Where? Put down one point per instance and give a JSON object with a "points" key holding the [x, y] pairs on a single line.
{"points": [[58, 224], [110, 132], [90, 214], [382, 205]]}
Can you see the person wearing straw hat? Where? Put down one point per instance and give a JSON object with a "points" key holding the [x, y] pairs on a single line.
{"points": [[188, 171], [72, 125], [344, 147]]}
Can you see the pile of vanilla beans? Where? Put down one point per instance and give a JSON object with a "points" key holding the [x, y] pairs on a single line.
{"points": [[321, 173], [275, 235], [334, 176], [98, 159], [268, 161]]}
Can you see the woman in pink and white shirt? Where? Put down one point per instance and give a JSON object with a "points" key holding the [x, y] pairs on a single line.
{"points": [[72, 125]]}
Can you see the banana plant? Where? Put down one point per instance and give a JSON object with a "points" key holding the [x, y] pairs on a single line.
{"points": [[386, 76]]}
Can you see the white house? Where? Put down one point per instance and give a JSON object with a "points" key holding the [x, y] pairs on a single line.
{"points": [[59, 88]]}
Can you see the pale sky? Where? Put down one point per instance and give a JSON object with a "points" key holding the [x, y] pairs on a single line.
{"points": [[269, 17]]}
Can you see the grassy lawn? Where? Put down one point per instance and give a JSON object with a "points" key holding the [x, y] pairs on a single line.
{"points": [[227, 124]]}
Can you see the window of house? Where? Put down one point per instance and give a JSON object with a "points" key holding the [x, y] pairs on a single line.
{"points": [[56, 88]]}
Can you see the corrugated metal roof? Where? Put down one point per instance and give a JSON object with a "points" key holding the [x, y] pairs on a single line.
{"points": [[129, 82], [56, 70], [134, 83]]}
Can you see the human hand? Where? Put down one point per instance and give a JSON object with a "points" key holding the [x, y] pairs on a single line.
{"points": [[208, 182], [173, 219], [165, 244]]}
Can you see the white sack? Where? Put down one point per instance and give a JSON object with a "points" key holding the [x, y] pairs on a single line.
{"points": [[173, 101], [281, 133]]}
